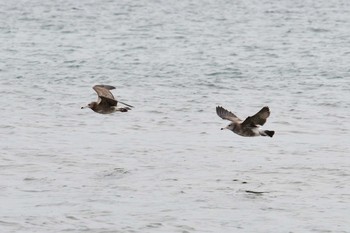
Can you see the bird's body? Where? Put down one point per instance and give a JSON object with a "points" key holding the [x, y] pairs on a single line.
{"points": [[106, 103], [250, 127]]}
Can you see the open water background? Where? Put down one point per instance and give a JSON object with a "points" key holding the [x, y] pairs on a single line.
{"points": [[165, 166]]}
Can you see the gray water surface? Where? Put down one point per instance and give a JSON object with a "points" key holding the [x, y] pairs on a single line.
{"points": [[165, 166]]}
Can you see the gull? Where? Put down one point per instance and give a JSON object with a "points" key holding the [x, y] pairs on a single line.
{"points": [[250, 127], [106, 103]]}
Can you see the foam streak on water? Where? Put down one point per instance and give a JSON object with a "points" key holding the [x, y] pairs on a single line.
{"points": [[165, 166]]}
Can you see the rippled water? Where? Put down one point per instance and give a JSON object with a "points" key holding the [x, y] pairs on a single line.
{"points": [[165, 166]]}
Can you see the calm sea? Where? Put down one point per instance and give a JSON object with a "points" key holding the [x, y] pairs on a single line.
{"points": [[165, 166]]}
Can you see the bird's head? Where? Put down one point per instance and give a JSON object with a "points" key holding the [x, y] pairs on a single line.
{"points": [[230, 127], [91, 105]]}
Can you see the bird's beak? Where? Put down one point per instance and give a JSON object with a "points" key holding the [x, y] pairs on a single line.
{"points": [[224, 128], [83, 107]]}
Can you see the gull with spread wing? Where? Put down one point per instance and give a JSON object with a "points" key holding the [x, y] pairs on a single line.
{"points": [[250, 127], [106, 103]]}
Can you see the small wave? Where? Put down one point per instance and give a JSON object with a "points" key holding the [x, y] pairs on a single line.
{"points": [[318, 30]]}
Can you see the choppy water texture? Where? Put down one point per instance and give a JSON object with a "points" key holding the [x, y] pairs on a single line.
{"points": [[165, 166]]}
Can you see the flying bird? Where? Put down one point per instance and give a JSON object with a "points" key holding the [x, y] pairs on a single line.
{"points": [[106, 103], [250, 127]]}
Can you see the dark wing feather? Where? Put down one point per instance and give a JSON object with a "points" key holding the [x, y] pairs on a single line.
{"points": [[108, 101], [103, 91], [126, 104], [226, 115], [258, 119]]}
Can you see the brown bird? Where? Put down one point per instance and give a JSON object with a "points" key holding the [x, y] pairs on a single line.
{"points": [[250, 127], [106, 103]]}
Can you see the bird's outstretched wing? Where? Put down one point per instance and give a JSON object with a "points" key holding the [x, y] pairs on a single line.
{"points": [[227, 115], [108, 87], [106, 97], [107, 101], [126, 104], [258, 119], [103, 90]]}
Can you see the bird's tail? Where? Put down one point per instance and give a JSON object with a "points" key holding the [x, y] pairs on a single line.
{"points": [[124, 109], [269, 133]]}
